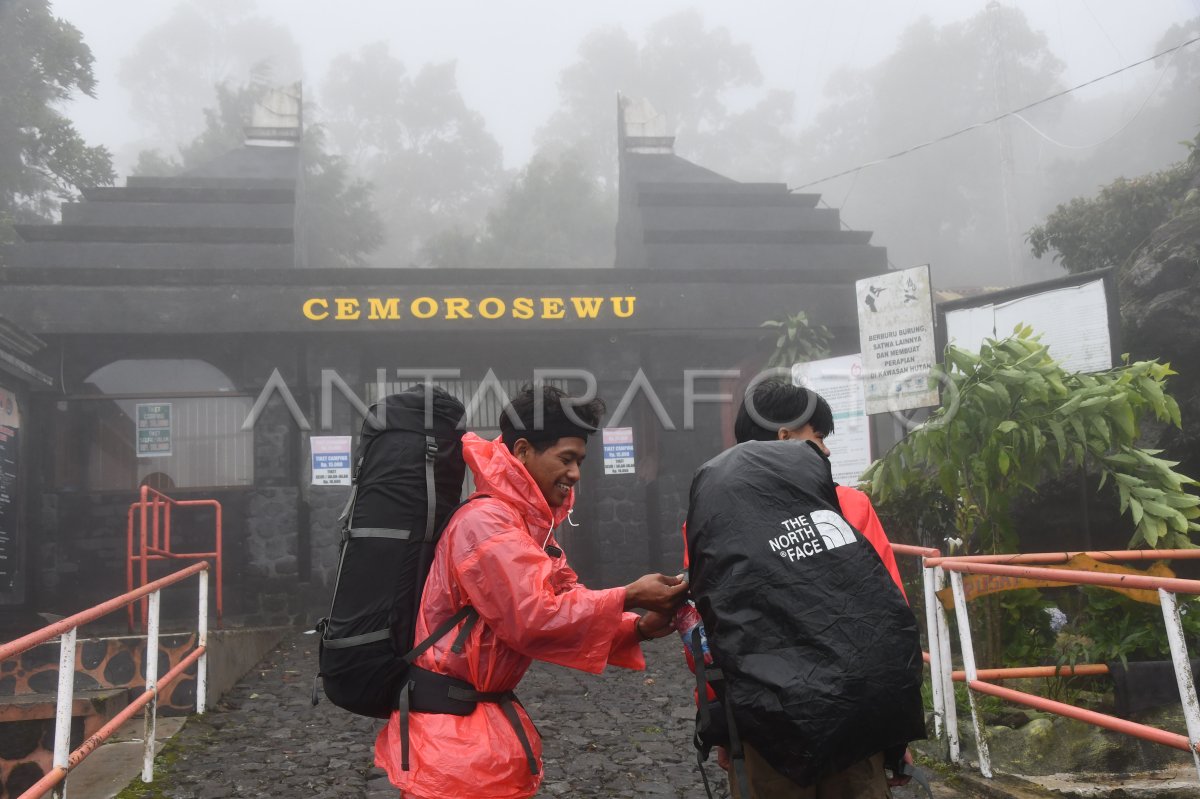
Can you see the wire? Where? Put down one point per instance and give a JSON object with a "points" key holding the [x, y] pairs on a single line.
{"points": [[993, 120], [1153, 91]]}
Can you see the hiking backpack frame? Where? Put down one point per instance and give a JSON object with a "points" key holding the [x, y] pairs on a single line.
{"points": [[407, 481]]}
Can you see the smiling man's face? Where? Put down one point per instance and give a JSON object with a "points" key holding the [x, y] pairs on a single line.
{"points": [[556, 468]]}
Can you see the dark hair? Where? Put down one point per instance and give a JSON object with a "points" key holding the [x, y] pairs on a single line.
{"points": [[781, 404], [561, 416]]}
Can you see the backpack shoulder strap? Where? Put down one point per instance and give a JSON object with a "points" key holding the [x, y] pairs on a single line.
{"points": [[705, 676]]}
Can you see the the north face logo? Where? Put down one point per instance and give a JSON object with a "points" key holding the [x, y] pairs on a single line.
{"points": [[811, 534]]}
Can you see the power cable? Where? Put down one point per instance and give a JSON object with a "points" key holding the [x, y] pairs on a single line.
{"points": [[995, 119], [1145, 101]]}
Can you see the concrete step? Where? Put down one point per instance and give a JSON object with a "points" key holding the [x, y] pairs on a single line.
{"points": [[854, 260], [772, 217], [101, 703], [178, 215], [123, 255], [142, 234], [188, 194]]}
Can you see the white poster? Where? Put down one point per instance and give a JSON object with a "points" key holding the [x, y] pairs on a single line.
{"points": [[618, 450], [1072, 321], [895, 329], [840, 382], [330, 460]]}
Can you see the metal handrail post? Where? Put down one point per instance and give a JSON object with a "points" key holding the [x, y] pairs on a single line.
{"points": [[66, 699], [968, 656], [151, 663], [202, 642], [935, 654], [1183, 671], [946, 670]]}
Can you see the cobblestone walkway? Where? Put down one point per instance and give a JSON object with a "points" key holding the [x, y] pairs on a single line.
{"points": [[620, 734]]}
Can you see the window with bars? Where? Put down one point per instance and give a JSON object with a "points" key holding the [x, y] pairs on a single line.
{"points": [[98, 445]]}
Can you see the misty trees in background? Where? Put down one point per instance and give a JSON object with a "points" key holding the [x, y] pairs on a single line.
{"points": [[43, 159], [1117, 225], [961, 205], [553, 216], [174, 68], [434, 165], [688, 72], [1136, 128], [340, 226]]}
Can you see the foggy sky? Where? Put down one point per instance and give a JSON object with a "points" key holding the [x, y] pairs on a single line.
{"points": [[509, 54]]}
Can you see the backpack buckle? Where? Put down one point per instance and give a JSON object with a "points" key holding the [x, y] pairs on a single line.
{"points": [[431, 449]]}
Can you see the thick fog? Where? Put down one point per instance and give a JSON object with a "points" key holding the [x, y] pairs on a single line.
{"points": [[472, 134]]}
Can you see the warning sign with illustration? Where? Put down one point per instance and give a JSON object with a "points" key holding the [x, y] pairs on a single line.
{"points": [[895, 328]]}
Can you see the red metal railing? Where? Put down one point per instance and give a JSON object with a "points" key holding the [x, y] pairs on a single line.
{"points": [[66, 629], [150, 516], [1040, 568]]}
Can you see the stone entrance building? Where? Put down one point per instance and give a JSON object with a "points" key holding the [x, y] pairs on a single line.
{"points": [[191, 292]]}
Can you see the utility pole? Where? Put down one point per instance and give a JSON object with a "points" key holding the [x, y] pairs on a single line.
{"points": [[999, 65]]}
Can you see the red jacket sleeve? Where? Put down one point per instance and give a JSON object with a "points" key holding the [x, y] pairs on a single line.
{"points": [[532, 606], [858, 510]]}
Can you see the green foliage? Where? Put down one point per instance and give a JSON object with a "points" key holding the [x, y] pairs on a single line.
{"points": [[1012, 417], [44, 62], [1114, 227], [1029, 635], [799, 341], [1114, 627]]}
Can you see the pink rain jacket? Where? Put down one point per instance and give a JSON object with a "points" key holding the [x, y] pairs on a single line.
{"points": [[530, 605]]}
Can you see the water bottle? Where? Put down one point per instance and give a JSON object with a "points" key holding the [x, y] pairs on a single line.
{"points": [[687, 618]]}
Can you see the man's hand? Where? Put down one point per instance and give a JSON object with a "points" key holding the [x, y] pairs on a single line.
{"points": [[658, 592], [655, 625], [896, 780]]}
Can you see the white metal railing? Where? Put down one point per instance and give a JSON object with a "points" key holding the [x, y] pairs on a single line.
{"points": [[65, 630], [1039, 566]]}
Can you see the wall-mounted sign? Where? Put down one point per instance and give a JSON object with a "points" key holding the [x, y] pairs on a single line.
{"points": [[840, 382], [330, 460], [1073, 320], [895, 330], [153, 429], [618, 450], [320, 309]]}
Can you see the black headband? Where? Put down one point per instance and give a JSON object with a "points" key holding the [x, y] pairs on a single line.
{"points": [[551, 431]]}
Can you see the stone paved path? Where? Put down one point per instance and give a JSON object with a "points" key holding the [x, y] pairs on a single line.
{"points": [[619, 734]]}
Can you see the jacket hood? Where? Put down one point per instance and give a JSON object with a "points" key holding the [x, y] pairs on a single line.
{"points": [[499, 474]]}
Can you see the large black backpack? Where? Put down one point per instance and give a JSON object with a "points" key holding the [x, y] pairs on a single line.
{"points": [[408, 478], [816, 655]]}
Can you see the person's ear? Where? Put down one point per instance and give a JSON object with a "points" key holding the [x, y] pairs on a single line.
{"points": [[784, 434], [521, 450]]}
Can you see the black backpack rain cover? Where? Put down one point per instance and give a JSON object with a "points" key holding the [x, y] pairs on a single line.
{"points": [[388, 541], [820, 652]]}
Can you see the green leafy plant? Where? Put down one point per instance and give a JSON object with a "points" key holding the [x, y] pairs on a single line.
{"points": [[1012, 417], [799, 341], [1030, 636]]}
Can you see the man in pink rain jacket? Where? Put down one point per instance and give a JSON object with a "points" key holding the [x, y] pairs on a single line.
{"points": [[499, 556]]}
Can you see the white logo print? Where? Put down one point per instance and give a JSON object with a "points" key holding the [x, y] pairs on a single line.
{"points": [[834, 530], [811, 534]]}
